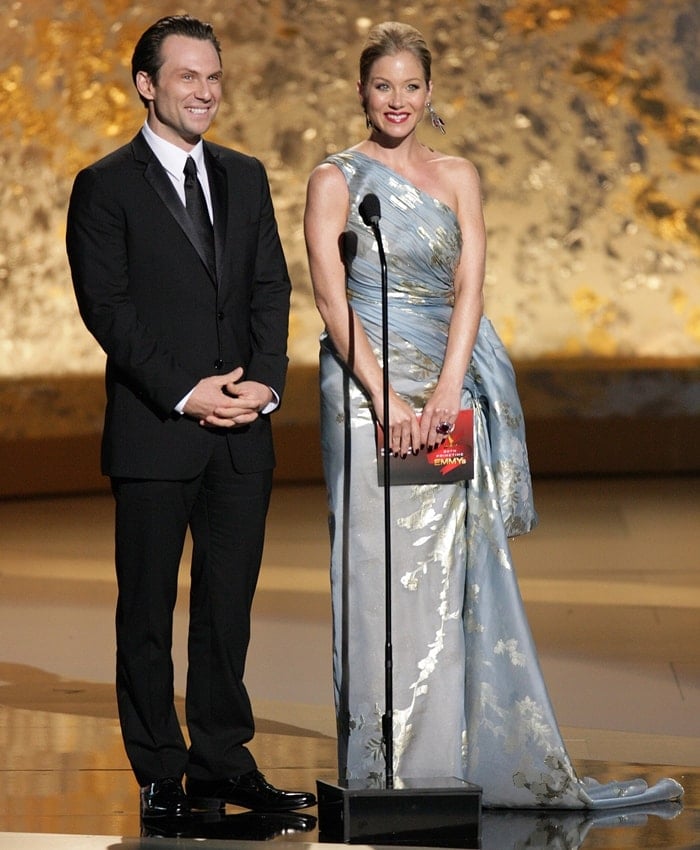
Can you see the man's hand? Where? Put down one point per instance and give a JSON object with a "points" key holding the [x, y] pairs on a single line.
{"points": [[224, 401]]}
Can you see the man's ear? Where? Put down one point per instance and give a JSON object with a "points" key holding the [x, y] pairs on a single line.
{"points": [[144, 85]]}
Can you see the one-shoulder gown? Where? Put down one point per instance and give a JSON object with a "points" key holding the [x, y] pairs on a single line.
{"points": [[469, 699]]}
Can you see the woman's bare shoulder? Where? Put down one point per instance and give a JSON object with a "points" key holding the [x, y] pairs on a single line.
{"points": [[455, 180], [327, 175], [327, 196], [455, 167]]}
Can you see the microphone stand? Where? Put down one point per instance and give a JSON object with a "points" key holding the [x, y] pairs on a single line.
{"points": [[431, 812], [388, 716]]}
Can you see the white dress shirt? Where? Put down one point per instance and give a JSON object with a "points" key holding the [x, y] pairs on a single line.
{"points": [[173, 160]]}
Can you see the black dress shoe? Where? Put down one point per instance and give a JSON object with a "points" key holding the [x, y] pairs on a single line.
{"points": [[246, 826], [251, 791], [164, 798]]}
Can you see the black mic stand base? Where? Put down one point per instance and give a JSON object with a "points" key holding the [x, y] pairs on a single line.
{"points": [[436, 812]]}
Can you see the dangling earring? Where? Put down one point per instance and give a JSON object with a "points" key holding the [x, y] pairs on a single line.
{"points": [[435, 119], [368, 121]]}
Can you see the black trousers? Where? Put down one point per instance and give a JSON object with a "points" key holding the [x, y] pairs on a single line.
{"points": [[225, 512]]}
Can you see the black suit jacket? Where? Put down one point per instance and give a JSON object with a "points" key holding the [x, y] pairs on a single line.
{"points": [[163, 320]]}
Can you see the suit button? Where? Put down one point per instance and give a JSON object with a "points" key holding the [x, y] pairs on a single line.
{"points": [[218, 364], [220, 316]]}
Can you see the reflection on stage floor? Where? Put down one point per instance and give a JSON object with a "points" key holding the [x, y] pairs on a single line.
{"points": [[611, 586]]}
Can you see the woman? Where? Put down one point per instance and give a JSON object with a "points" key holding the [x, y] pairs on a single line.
{"points": [[468, 695]]}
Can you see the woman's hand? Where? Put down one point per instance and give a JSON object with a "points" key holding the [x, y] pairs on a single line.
{"points": [[439, 416], [402, 432]]}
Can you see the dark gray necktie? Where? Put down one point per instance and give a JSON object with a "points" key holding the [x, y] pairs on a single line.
{"points": [[197, 208]]}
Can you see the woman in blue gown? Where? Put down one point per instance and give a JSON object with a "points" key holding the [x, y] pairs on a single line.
{"points": [[469, 699]]}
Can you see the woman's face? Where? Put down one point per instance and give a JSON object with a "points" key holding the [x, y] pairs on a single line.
{"points": [[395, 94]]}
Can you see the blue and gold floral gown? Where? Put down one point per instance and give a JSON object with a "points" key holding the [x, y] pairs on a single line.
{"points": [[469, 699]]}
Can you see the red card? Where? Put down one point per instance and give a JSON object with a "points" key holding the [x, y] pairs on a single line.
{"points": [[452, 460]]}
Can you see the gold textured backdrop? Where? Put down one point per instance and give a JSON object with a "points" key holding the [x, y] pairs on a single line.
{"points": [[582, 116]]}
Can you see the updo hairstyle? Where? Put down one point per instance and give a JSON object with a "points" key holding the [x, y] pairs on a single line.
{"points": [[388, 39]]}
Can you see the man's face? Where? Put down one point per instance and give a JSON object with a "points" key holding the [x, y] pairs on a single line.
{"points": [[184, 99]]}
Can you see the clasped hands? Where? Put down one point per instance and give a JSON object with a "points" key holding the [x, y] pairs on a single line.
{"points": [[225, 401], [407, 432]]}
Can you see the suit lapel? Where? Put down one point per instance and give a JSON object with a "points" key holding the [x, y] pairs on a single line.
{"points": [[218, 188], [157, 177]]}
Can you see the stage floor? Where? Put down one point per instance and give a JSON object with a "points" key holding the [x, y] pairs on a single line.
{"points": [[612, 588]]}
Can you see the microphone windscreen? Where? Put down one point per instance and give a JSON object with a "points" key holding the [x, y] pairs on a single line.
{"points": [[370, 209]]}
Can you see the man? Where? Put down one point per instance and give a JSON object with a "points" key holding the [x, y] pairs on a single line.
{"points": [[194, 322]]}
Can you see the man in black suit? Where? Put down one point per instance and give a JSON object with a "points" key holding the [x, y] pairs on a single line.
{"points": [[194, 320]]}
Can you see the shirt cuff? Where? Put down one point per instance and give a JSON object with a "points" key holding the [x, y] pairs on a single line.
{"points": [[180, 406], [272, 405]]}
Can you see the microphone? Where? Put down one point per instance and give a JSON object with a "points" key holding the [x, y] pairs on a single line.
{"points": [[370, 210]]}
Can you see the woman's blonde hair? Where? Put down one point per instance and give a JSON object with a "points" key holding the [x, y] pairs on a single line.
{"points": [[388, 39]]}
